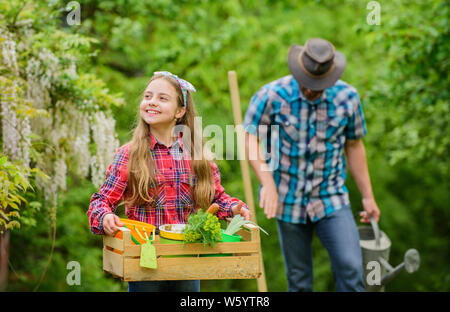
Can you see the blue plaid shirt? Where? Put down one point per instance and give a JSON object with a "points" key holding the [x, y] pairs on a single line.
{"points": [[306, 147]]}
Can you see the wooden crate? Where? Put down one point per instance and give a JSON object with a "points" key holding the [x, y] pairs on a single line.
{"points": [[121, 259]]}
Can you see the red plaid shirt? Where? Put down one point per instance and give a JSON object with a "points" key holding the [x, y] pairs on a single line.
{"points": [[174, 202]]}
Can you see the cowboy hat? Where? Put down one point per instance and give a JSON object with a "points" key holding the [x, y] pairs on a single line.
{"points": [[316, 65]]}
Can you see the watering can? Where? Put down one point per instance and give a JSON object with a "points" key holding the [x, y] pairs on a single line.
{"points": [[375, 246]]}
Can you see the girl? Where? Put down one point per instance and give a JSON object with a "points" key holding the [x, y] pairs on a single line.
{"points": [[156, 174]]}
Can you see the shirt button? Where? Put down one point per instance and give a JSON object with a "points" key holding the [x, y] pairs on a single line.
{"points": [[168, 152], [171, 185]]}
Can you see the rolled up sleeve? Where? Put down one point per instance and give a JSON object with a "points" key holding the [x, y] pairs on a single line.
{"points": [[111, 192], [225, 201], [356, 127], [258, 112]]}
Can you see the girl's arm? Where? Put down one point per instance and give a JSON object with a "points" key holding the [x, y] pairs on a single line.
{"points": [[225, 201], [106, 200]]}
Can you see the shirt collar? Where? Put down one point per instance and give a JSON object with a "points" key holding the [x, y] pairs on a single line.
{"points": [[154, 141], [296, 94]]}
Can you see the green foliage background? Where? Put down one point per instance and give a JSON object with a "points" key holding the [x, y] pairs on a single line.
{"points": [[400, 69]]}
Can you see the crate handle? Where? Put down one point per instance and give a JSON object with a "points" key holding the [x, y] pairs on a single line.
{"points": [[126, 236]]}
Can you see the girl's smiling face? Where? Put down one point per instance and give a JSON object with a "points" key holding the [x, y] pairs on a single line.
{"points": [[160, 104]]}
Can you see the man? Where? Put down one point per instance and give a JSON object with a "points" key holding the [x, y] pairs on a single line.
{"points": [[319, 120]]}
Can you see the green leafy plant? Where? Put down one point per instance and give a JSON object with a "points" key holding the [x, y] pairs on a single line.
{"points": [[203, 227], [14, 182], [236, 224]]}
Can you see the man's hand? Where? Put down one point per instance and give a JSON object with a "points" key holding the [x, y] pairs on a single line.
{"points": [[110, 224], [269, 194], [269, 200], [370, 209], [237, 209], [357, 164]]}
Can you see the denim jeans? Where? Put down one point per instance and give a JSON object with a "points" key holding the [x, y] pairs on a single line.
{"points": [[339, 235], [164, 286]]}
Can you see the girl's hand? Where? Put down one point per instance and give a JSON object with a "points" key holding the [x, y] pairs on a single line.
{"points": [[213, 209], [269, 200], [237, 209], [110, 224]]}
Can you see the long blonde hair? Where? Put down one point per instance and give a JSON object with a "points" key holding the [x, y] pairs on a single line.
{"points": [[141, 166]]}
